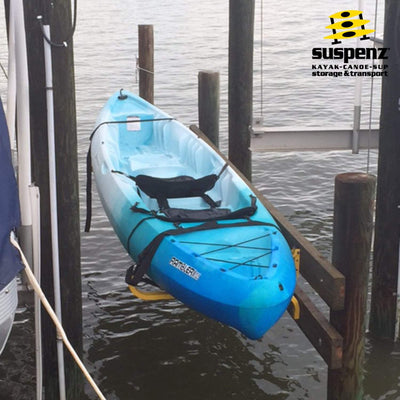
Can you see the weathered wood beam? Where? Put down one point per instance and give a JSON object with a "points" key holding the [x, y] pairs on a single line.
{"points": [[322, 335]]}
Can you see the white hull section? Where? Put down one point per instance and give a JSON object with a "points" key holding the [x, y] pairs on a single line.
{"points": [[8, 305]]}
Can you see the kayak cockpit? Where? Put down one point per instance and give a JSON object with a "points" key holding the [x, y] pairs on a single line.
{"points": [[192, 203], [177, 174]]}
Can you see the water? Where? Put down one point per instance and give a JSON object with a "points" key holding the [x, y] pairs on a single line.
{"points": [[139, 350]]}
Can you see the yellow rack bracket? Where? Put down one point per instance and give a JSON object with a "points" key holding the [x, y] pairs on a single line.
{"points": [[150, 296], [161, 295], [296, 258], [294, 308]]}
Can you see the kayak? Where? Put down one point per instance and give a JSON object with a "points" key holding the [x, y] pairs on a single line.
{"points": [[187, 219]]}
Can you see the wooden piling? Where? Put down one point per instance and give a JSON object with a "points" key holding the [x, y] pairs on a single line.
{"points": [[67, 186], [208, 103], [241, 38], [146, 62], [352, 235], [387, 228]]}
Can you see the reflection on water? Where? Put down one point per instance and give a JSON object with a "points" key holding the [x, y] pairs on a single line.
{"points": [[170, 349], [17, 362], [138, 350], [382, 370]]}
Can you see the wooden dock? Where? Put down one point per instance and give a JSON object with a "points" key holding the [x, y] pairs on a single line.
{"points": [[341, 285]]}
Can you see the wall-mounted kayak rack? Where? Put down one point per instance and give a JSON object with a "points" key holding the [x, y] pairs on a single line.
{"points": [[158, 294]]}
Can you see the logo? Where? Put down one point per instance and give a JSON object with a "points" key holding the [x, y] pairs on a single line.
{"points": [[183, 267], [348, 26], [347, 61]]}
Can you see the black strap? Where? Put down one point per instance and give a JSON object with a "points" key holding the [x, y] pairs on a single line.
{"points": [[146, 256], [128, 247], [163, 203], [184, 186], [201, 215], [226, 165], [88, 189], [210, 201], [179, 215]]}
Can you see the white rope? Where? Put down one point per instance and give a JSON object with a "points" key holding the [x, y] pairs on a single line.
{"points": [[138, 68], [142, 69], [60, 329]]}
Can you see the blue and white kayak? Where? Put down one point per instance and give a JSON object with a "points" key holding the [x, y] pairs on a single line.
{"points": [[187, 219]]}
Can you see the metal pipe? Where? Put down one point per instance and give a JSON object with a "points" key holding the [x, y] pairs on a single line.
{"points": [[35, 201], [12, 80], [23, 122], [357, 102], [23, 128], [357, 116], [53, 207]]}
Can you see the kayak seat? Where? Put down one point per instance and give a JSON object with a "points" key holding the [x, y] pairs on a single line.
{"points": [[178, 187], [185, 186]]}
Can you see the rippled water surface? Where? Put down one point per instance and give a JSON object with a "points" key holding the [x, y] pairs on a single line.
{"points": [[139, 350]]}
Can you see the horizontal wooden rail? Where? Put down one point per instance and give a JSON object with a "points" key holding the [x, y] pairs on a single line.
{"points": [[322, 335]]}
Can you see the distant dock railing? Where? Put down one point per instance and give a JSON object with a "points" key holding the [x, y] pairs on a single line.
{"points": [[318, 138]]}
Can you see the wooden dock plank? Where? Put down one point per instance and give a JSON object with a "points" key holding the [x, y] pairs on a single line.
{"points": [[322, 335]]}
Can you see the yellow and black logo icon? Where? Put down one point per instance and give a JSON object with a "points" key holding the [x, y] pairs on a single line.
{"points": [[349, 27]]}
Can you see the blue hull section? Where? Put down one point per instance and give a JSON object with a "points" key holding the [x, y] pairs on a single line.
{"points": [[241, 273], [10, 263]]}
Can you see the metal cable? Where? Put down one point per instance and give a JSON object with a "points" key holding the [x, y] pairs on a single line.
{"points": [[4, 71], [69, 36], [371, 94]]}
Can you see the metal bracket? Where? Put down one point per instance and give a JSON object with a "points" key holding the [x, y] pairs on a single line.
{"points": [[294, 302], [296, 259], [296, 308], [150, 296]]}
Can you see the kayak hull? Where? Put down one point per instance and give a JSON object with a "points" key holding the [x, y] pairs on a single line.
{"points": [[234, 267]]}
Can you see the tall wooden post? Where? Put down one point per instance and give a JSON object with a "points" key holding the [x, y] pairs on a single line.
{"points": [[146, 62], [387, 232], [352, 235], [241, 38], [59, 19], [208, 100]]}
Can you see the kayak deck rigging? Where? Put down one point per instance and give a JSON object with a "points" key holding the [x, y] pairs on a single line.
{"points": [[222, 247], [253, 265]]}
